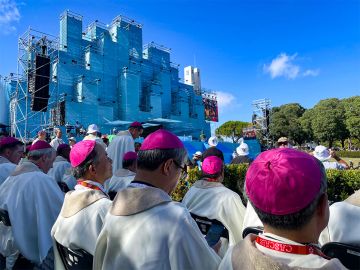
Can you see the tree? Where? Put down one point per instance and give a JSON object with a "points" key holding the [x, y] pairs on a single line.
{"points": [[306, 124], [352, 116], [328, 123], [285, 122], [232, 129]]}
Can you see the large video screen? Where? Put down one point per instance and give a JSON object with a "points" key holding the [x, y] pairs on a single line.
{"points": [[211, 109]]}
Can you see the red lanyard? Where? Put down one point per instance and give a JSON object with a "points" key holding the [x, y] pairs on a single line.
{"points": [[210, 180], [88, 185], [288, 248]]}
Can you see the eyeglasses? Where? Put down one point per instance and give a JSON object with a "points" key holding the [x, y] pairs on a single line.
{"points": [[183, 170]]}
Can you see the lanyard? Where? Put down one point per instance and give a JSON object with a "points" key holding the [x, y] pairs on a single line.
{"points": [[88, 185], [288, 248], [210, 180]]}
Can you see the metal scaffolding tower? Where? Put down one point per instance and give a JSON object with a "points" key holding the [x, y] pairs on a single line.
{"points": [[261, 116], [23, 120]]}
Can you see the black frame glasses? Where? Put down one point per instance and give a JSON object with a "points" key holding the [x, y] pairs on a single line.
{"points": [[183, 170]]}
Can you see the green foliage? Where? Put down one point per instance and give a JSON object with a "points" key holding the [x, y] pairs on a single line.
{"points": [[328, 121], [341, 184], [232, 129], [306, 124], [285, 122], [352, 114]]}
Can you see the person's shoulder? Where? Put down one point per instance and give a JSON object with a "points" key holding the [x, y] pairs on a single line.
{"points": [[175, 209]]}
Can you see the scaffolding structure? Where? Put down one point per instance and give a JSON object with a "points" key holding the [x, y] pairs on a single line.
{"points": [[102, 73], [261, 117], [23, 120]]}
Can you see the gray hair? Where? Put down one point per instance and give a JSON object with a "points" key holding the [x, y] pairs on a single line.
{"points": [[37, 154]]}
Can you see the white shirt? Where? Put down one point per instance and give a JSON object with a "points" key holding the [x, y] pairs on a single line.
{"points": [[122, 143], [343, 223], [144, 229], [33, 201], [333, 165], [214, 201], [95, 138], [251, 219], [6, 168], [60, 167], [120, 180], [56, 142]]}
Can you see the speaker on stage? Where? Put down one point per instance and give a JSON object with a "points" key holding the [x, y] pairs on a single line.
{"points": [[38, 83], [62, 113]]}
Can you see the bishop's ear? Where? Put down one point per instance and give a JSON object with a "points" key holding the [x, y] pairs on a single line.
{"points": [[166, 167]]}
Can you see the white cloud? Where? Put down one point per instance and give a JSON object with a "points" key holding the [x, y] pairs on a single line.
{"points": [[9, 14], [224, 99], [311, 72], [284, 66]]}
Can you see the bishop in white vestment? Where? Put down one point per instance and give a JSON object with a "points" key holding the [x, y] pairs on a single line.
{"points": [[84, 209], [123, 176], [33, 201], [11, 151], [144, 228], [209, 198], [122, 143], [287, 189]]}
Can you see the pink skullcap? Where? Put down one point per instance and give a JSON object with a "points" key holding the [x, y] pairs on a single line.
{"points": [[212, 165], [130, 156], [80, 151], [136, 125], [39, 145], [8, 140], [283, 181], [161, 139]]}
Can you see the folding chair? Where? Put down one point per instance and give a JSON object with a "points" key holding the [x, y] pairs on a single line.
{"points": [[211, 228], [348, 255], [112, 194], [253, 230], [74, 259], [63, 186]]}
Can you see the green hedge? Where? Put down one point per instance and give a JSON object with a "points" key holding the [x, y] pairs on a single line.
{"points": [[348, 154], [341, 184]]}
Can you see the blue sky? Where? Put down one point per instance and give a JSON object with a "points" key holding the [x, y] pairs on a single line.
{"points": [[285, 50]]}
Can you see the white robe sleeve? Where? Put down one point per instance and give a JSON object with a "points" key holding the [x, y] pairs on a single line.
{"points": [[190, 250], [234, 214], [251, 219]]}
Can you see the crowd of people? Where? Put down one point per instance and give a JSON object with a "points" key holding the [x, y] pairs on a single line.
{"points": [[111, 202]]}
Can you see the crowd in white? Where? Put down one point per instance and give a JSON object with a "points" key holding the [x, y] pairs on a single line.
{"points": [[43, 227]]}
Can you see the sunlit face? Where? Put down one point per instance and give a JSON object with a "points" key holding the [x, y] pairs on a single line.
{"points": [[103, 166], [136, 133], [15, 154], [42, 136]]}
